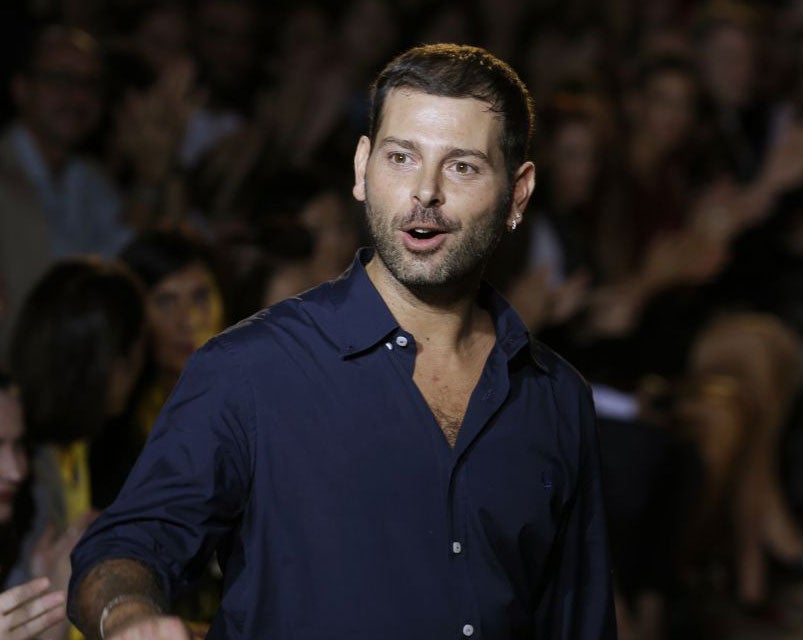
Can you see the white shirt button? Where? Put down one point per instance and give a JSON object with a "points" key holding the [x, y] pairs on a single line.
{"points": [[468, 630], [456, 547], [401, 341]]}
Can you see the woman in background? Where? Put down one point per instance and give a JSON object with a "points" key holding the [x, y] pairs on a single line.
{"points": [[29, 609], [184, 309], [76, 352]]}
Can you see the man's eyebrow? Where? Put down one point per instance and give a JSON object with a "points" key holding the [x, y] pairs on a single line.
{"points": [[404, 144], [452, 153], [472, 153]]}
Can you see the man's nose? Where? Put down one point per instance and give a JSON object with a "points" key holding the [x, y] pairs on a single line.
{"points": [[429, 188]]}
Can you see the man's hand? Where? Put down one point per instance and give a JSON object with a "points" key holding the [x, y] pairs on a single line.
{"points": [[29, 609]]}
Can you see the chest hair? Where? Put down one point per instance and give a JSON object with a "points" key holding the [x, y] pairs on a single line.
{"points": [[447, 393]]}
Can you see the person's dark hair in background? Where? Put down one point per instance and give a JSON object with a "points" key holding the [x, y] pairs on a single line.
{"points": [[450, 71], [157, 253], [79, 323]]}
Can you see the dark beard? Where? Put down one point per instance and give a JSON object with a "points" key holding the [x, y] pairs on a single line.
{"points": [[458, 269]]}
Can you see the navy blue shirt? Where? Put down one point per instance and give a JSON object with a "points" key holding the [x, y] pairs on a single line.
{"points": [[297, 445]]}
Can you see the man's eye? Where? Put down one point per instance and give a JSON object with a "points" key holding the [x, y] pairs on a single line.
{"points": [[398, 157], [464, 168]]}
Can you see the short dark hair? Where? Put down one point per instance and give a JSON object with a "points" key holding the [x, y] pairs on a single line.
{"points": [[80, 316], [462, 71]]}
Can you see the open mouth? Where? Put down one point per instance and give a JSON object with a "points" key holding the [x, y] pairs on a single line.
{"points": [[423, 234], [420, 237]]}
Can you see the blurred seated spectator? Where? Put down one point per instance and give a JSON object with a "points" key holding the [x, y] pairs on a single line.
{"points": [[185, 307], [744, 375], [53, 202], [728, 41], [34, 609], [77, 352]]}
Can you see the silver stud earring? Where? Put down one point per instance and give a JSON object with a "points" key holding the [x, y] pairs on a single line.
{"points": [[515, 222]]}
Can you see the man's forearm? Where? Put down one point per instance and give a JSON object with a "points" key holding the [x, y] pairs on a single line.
{"points": [[116, 592]]}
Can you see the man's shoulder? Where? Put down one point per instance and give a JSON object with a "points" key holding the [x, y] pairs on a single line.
{"points": [[559, 370], [272, 331]]}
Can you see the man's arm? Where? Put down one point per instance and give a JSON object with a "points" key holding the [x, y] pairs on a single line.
{"points": [[121, 598], [577, 598], [186, 492]]}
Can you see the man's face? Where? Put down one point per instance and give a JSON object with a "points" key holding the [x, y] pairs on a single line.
{"points": [[61, 98], [435, 187]]}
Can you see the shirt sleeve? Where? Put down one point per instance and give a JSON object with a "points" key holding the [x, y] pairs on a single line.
{"points": [[577, 603], [189, 486]]}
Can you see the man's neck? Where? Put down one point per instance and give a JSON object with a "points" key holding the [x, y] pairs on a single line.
{"points": [[446, 320]]}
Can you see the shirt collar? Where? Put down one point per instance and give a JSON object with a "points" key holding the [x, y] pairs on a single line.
{"points": [[351, 311]]}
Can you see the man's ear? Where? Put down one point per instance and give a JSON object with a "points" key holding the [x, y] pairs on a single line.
{"points": [[523, 185], [360, 164]]}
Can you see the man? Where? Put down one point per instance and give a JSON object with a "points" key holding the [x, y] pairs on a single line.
{"points": [[53, 202], [388, 455]]}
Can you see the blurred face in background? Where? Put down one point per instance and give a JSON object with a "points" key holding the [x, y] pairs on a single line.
{"points": [[226, 41], [335, 235], [573, 163], [728, 66], [163, 36], [185, 309], [668, 109], [13, 458], [60, 99]]}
